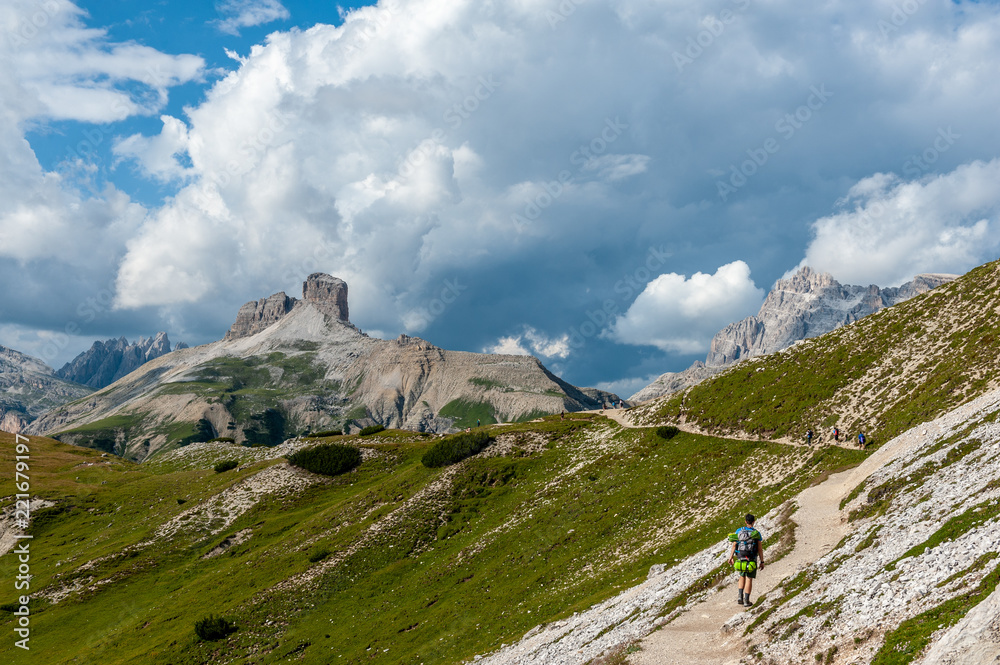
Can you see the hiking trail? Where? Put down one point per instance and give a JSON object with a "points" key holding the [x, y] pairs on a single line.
{"points": [[700, 634]]}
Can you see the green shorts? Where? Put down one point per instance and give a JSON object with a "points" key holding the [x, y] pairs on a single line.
{"points": [[746, 569]]}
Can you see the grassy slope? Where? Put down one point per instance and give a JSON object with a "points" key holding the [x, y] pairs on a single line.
{"points": [[428, 590], [884, 374]]}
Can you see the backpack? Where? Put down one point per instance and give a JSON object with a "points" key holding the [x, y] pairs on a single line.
{"points": [[746, 544]]}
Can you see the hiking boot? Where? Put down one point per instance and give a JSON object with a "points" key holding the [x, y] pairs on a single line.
{"points": [[747, 602], [739, 601]]}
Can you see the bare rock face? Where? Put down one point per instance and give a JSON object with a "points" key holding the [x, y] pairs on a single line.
{"points": [[106, 362], [29, 388], [328, 294], [807, 304], [257, 315]]}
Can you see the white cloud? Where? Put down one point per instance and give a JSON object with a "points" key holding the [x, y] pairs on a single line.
{"points": [[157, 155], [680, 314], [248, 13], [891, 230], [531, 342]]}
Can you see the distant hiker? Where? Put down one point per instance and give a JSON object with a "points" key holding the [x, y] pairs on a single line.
{"points": [[747, 550], [862, 440], [836, 434], [809, 437], [477, 422]]}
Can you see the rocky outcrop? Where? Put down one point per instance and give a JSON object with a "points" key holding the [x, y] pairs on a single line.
{"points": [[324, 292], [29, 388], [288, 366], [328, 294], [106, 362], [257, 315], [807, 304]]}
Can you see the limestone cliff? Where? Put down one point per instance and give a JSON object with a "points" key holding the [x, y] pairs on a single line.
{"points": [[806, 305], [287, 366]]}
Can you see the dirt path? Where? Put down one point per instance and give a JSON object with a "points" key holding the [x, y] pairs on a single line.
{"points": [[621, 416], [697, 636]]}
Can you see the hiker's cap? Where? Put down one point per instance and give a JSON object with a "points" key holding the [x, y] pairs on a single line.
{"points": [[751, 519]]}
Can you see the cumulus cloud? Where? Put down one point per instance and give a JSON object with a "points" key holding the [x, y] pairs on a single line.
{"points": [[57, 69], [403, 147], [531, 342], [890, 230], [681, 314], [248, 13]]}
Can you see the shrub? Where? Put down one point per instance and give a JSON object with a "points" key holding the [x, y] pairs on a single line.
{"points": [[330, 459], [181, 502], [371, 429], [319, 555], [226, 466], [328, 432], [668, 432], [222, 439], [213, 628], [456, 448]]}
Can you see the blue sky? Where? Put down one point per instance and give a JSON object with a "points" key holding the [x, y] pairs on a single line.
{"points": [[604, 184]]}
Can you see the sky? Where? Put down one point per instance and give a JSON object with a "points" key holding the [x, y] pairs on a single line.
{"points": [[603, 184]]}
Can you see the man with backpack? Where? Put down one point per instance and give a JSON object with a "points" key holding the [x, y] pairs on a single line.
{"points": [[747, 549], [862, 441]]}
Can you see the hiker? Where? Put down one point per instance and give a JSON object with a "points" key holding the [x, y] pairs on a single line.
{"points": [[478, 423], [862, 440], [809, 437], [747, 550], [836, 433]]}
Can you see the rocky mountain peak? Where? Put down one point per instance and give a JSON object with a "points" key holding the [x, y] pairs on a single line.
{"points": [[806, 280], [328, 294], [106, 362], [256, 315]]}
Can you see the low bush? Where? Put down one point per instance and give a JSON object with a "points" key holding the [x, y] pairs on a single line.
{"points": [[327, 432], [330, 459], [667, 432], [456, 448], [371, 429], [213, 628], [319, 555], [222, 467], [181, 502]]}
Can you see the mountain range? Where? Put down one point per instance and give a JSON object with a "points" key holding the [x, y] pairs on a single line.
{"points": [[806, 305], [30, 388], [289, 366], [106, 362], [577, 539]]}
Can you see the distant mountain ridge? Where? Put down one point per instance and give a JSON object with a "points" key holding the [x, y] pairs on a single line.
{"points": [[106, 362], [806, 305], [30, 388], [288, 366]]}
